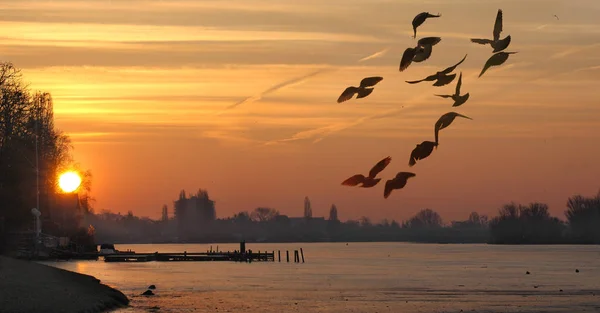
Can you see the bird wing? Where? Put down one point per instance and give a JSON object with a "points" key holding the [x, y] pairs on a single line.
{"points": [[458, 84], [448, 70], [482, 41], [414, 156], [498, 25], [429, 78], [407, 58], [501, 44], [405, 175], [495, 59], [389, 186], [444, 80], [444, 96], [429, 41], [363, 92], [370, 81], [354, 180], [347, 94], [423, 53], [380, 166], [441, 123], [463, 116]]}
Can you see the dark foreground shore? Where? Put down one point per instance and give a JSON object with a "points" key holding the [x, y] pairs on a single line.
{"points": [[31, 287]]}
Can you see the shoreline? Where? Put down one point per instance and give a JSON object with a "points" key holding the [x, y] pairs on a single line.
{"points": [[26, 286]]}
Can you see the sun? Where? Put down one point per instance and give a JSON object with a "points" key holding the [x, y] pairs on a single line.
{"points": [[69, 181]]}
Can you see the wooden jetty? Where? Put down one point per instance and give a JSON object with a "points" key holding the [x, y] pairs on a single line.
{"points": [[235, 256], [203, 256]]}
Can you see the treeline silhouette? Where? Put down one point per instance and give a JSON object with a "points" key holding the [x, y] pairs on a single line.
{"points": [[514, 224], [24, 117]]}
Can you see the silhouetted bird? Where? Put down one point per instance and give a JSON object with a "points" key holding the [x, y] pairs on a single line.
{"points": [[419, 53], [370, 180], [442, 77], [445, 121], [422, 151], [361, 91], [420, 19], [496, 60], [425, 48], [397, 182], [496, 43], [556, 17], [458, 99]]}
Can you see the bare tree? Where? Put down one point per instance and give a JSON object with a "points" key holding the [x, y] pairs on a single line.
{"points": [[425, 218], [263, 214]]}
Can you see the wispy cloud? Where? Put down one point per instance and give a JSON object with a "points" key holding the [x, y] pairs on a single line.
{"points": [[287, 83], [573, 50]]}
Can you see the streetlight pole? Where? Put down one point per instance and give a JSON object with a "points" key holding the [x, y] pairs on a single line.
{"points": [[37, 167]]}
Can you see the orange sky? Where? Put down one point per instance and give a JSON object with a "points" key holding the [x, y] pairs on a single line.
{"points": [[138, 85]]}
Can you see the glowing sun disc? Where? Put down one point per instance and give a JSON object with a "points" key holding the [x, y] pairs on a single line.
{"points": [[69, 181]]}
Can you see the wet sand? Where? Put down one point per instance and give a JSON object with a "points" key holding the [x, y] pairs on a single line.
{"points": [[31, 287]]}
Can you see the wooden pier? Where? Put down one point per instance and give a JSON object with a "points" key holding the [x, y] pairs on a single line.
{"points": [[203, 256], [235, 256]]}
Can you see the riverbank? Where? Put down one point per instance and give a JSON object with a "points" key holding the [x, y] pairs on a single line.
{"points": [[31, 287]]}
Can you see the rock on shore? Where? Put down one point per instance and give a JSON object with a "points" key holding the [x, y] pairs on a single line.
{"points": [[31, 287]]}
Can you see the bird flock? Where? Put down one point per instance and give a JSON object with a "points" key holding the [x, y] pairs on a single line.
{"points": [[420, 53]]}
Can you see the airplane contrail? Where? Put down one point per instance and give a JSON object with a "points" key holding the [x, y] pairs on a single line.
{"points": [[295, 81], [291, 82], [375, 55]]}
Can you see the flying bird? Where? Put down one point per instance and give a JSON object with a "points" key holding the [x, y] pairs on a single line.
{"points": [[496, 60], [420, 19], [361, 91], [496, 43], [441, 78], [397, 182], [458, 99], [556, 17], [370, 180], [421, 151], [419, 53], [445, 121]]}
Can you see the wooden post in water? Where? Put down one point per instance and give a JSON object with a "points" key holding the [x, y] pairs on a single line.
{"points": [[287, 255], [302, 253], [296, 257], [278, 255]]}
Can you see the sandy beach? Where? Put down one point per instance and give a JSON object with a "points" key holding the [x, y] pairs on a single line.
{"points": [[28, 287]]}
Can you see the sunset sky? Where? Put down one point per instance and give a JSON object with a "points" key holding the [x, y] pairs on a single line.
{"points": [[141, 86]]}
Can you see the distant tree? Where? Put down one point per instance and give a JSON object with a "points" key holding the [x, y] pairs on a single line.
{"points": [[425, 218], [394, 224], [333, 214], [241, 217], [307, 208], [262, 214], [365, 221], [583, 216], [531, 224]]}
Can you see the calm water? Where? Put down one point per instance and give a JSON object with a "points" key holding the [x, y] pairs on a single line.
{"points": [[363, 277]]}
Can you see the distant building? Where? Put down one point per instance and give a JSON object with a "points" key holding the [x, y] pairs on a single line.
{"points": [[193, 212]]}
